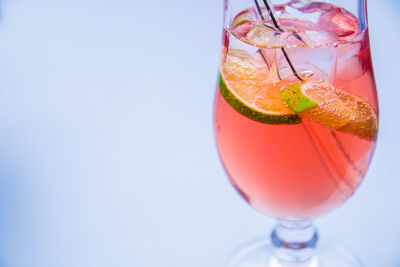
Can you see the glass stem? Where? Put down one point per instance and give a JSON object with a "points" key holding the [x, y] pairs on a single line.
{"points": [[294, 242]]}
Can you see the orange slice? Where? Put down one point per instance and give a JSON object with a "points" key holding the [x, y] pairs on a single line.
{"points": [[321, 102], [252, 92]]}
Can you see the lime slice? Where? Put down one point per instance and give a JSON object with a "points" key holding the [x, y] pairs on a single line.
{"points": [[321, 102], [252, 91], [296, 99]]}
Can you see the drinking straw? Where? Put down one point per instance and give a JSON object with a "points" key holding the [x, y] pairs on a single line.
{"points": [[276, 24]]}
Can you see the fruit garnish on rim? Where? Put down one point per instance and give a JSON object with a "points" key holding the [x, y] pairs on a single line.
{"points": [[332, 107]]}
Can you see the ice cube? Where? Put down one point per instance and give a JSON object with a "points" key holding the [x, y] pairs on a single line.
{"points": [[266, 66], [291, 12], [287, 39], [279, 9], [296, 24], [260, 35], [321, 61], [347, 51], [339, 23], [311, 7], [317, 38], [298, 3], [265, 58], [349, 64]]}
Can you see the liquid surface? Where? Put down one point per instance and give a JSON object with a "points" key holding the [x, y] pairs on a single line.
{"points": [[309, 166], [309, 24]]}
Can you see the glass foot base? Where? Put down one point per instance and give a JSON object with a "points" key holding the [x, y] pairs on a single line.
{"points": [[327, 254]]}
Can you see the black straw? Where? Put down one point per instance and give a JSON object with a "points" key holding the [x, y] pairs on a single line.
{"points": [[271, 14], [262, 17], [275, 22]]}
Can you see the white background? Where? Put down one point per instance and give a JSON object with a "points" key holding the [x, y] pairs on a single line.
{"points": [[107, 156]]}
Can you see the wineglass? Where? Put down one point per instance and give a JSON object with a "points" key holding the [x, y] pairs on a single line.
{"points": [[296, 119]]}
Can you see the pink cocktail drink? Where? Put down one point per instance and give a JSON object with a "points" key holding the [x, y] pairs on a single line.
{"points": [[296, 141]]}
